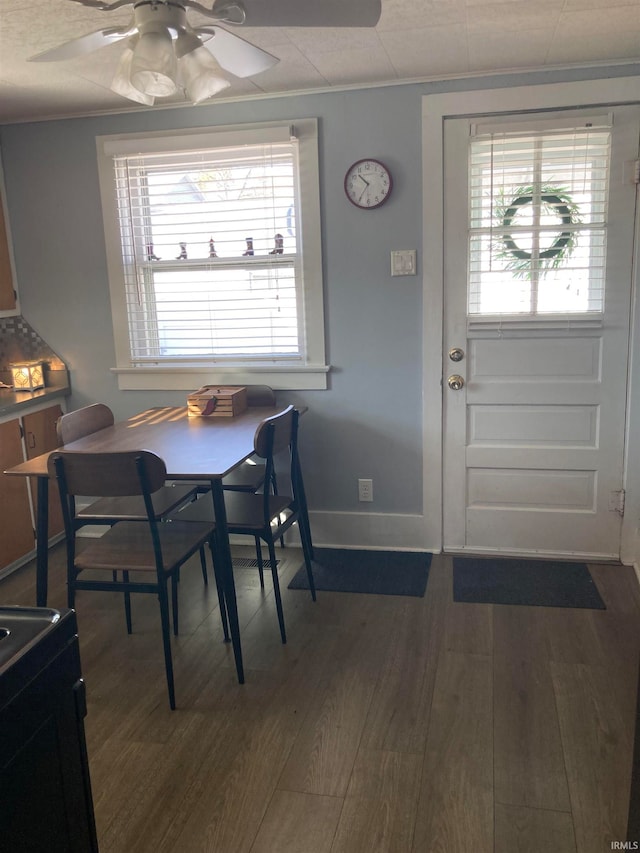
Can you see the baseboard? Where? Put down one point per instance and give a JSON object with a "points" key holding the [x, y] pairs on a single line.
{"points": [[369, 530]]}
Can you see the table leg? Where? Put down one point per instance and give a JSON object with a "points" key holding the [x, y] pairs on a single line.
{"points": [[226, 570], [42, 542]]}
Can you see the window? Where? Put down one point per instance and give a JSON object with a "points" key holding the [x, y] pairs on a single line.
{"points": [[205, 233], [538, 220]]}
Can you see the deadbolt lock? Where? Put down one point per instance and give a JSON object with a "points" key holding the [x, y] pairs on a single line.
{"points": [[456, 354], [455, 382]]}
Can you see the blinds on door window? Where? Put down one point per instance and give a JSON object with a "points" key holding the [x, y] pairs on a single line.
{"points": [[537, 220], [211, 255]]}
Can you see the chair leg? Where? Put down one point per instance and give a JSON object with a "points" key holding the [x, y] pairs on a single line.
{"points": [[71, 590], [174, 602], [274, 487], [259, 561], [308, 557], [221, 603], [127, 602], [276, 588], [203, 564], [304, 512], [166, 642]]}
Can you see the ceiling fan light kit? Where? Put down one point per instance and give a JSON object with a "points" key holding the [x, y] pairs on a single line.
{"points": [[199, 73], [165, 54], [121, 84], [154, 66]]}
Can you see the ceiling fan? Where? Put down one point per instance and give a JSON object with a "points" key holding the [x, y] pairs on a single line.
{"points": [[163, 53]]}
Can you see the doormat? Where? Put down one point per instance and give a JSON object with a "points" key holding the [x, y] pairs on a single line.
{"points": [[535, 583], [376, 572]]}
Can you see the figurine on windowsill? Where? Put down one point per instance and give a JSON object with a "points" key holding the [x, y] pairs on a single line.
{"points": [[249, 246], [212, 249], [151, 255], [183, 252], [278, 248]]}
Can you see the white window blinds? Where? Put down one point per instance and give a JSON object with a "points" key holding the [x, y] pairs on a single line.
{"points": [[211, 254], [537, 221]]}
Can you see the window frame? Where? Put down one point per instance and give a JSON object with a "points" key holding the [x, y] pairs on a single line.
{"points": [[310, 372]]}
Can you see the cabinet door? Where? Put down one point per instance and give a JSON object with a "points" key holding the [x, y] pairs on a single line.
{"points": [[40, 436], [7, 292], [17, 537]]}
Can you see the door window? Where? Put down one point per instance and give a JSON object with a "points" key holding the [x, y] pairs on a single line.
{"points": [[537, 219]]}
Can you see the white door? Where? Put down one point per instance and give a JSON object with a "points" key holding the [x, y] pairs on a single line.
{"points": [[538, 249]]}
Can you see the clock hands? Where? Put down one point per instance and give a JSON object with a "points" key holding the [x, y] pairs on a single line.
{"points": [[366, 183]]}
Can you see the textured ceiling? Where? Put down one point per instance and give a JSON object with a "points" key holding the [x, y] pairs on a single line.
{"points": [[414, 39]]}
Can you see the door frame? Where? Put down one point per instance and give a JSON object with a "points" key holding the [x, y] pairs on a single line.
{"points": [[435, 109]]}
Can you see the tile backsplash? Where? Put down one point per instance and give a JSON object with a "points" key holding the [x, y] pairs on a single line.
{"points": [[19, 342]]}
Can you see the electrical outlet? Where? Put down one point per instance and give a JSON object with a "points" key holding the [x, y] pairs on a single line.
{"points": [[365, 490]]}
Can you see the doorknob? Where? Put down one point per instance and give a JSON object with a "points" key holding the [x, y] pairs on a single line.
{"points": [[456, 354], [455, 382]]}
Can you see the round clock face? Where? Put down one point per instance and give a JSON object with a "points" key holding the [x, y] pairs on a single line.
{"points": [[368, 184]]}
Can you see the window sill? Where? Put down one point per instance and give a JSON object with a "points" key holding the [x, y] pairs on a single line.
{"points": [[288, 378]]}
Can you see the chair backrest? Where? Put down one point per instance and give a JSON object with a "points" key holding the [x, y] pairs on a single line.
{"points": [[89, 419], [131, 472], [260, 395], [274, 434]]}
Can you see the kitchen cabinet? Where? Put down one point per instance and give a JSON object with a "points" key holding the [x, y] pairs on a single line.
{"points": [[23, 438], [16, 524], [8, 300], [39, 436]]}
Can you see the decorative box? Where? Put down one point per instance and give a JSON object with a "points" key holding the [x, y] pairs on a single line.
{"points": [[217, 401], [27, 375]]}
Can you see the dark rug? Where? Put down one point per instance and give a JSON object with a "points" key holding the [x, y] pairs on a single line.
{"points": [[378, 572], [538, 583]]}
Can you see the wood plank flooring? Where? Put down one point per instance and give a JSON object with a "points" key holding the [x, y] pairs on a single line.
{"points": [[385, 725]]}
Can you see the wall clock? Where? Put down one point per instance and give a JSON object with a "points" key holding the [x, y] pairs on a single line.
{"points": [[368, 183]]}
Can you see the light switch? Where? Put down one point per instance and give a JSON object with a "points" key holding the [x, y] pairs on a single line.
{"points": [[403, 262]]}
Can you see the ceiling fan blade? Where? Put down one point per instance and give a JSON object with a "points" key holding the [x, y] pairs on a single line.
{"points": [[84, 44], [302, 13], [234, 54]]}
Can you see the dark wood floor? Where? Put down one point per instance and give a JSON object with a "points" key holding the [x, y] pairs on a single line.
{"points": [[386, 724]]}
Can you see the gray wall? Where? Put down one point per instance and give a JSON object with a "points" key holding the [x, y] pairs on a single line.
{"points": [[368, 423]]}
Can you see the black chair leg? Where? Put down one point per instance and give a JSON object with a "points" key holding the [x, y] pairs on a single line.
{"points": [[259, 561], [308, 557], [221, 601], [127, 603], [71, 590], [203, 564], [166, 642], [276, 589], [174, 602], [274, 487]]}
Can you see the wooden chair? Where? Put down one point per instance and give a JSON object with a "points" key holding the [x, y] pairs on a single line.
{"points": [[154, 551], [266, 516], [82, 422]]}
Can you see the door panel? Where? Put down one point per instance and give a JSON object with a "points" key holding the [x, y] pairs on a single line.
{"points": [[534, 439]]}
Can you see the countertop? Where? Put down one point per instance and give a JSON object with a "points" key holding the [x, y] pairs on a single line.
{"points": [[15, 401]]}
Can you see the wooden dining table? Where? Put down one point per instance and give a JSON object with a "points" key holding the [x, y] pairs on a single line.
{"points": [[199, 449]]}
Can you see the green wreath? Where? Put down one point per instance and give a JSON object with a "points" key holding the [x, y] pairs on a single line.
{"points": [[555, 200]]}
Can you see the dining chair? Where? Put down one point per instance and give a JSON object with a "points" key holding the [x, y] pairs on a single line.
{"points": [[266, 516], [153, 551], [250, 476], [89, 419]]}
